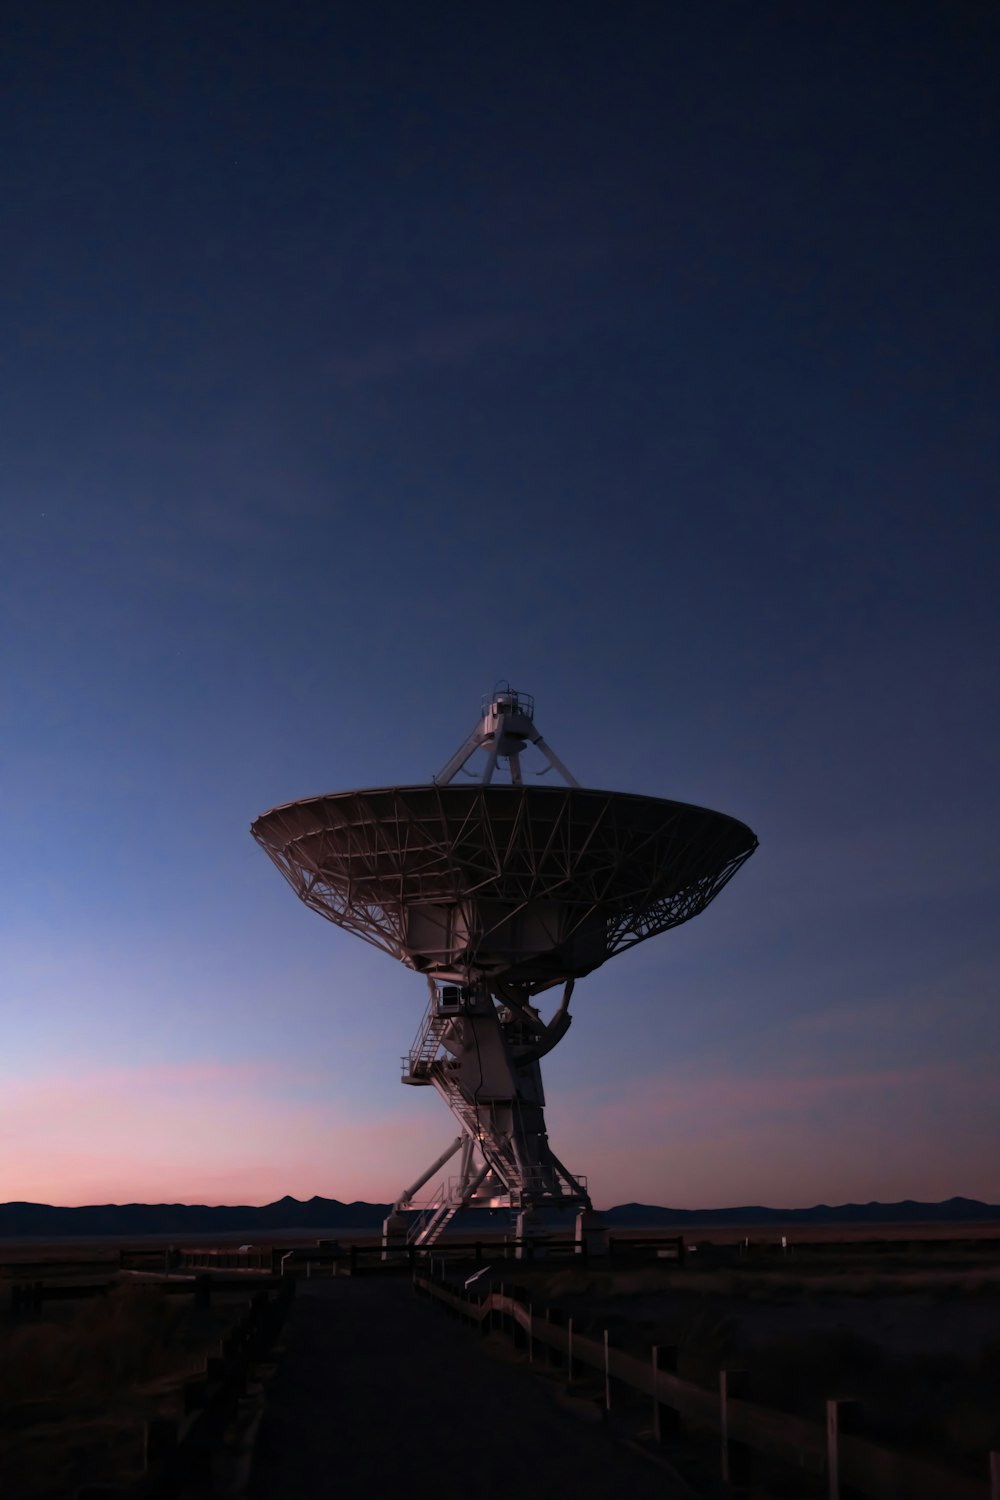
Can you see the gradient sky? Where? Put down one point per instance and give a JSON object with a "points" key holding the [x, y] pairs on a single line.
{"points": [[358, 356]]}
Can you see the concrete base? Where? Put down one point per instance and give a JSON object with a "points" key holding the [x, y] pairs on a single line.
{"points": [[591, 1233], [526, 1227], [394, 1228]]}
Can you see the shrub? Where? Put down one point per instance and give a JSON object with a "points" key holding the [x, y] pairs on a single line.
{"points": [[128, 1335]]}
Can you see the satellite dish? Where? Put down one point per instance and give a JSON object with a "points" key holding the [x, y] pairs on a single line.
{"points": [[497, 892]]}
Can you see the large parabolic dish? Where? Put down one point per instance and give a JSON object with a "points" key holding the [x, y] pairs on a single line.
{"points": [[531, 884], [496, 892]]}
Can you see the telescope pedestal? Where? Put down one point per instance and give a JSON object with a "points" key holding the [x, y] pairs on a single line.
{"points": [[591, 1233], [481, 1053]]}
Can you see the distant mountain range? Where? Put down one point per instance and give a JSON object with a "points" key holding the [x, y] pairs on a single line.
{"points": [[952, 1211], [42, 1221]]}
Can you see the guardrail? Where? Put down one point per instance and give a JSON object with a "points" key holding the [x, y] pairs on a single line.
{"points": [[830, 1452]]}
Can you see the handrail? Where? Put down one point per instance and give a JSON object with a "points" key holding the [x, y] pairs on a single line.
{"points": [[511, 699], [426, 1043], [426, 1213]]}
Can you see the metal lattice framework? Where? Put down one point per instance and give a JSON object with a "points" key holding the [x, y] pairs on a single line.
{"points": [[523, 884]]}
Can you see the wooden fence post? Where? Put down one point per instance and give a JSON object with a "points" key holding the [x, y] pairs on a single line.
{"points": [[195, 1393], [159, 1440], [838, 1419], [832, 1453], [733, 1456], [664, 1417]]}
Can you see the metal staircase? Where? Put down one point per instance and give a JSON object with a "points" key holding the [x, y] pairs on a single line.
{"points": [[417, 1226], [440, 1217], [431, 1223], [447, 1200], [426, 1046]]}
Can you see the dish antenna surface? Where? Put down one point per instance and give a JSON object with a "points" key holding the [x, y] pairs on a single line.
{"points": [[497, 891]]}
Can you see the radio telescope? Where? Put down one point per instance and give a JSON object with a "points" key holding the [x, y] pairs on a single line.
{"points": [[497, 892]]}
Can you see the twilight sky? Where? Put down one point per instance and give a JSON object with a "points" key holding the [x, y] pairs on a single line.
{"points": [[357, 356]]}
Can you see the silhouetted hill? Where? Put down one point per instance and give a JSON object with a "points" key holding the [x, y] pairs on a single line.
{"points": [[42, 1221], [953, 1211]]}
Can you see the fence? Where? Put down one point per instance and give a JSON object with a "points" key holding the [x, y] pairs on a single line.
{"points": [[228, 1260], [178, 1453], [830, 1452], [207, 1258], [534, 1247], [328, 1257], [27, 1297]]}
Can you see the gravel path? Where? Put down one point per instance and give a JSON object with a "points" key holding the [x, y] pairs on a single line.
{"points": [[379, 1392]]}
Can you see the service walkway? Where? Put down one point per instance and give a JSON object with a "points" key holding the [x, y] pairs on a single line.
{"points": [[379, 1393]]}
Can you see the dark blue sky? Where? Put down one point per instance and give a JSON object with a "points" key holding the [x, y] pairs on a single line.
{"points": [[357, 356]]}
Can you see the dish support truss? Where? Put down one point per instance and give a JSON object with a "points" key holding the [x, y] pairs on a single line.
{"points": [[480, 1046]]}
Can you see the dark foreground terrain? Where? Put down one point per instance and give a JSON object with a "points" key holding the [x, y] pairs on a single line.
{"points": [[79, 1378], [377, 1387], [911, 1332]]}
